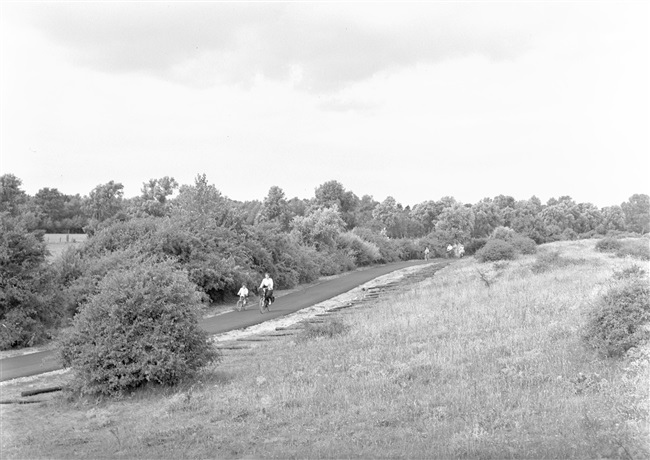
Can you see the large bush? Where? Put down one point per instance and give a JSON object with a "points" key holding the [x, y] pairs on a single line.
{"points": [[620, 319], [30, 303], [495, 250], [609, 244], [522, 244], [142, 326]]}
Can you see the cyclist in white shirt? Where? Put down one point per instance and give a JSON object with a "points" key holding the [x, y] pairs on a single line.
{"points": [[267, 285]]}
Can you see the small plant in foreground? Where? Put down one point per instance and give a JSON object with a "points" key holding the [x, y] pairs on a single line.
{"points": [[141, 327], [620, 320]]}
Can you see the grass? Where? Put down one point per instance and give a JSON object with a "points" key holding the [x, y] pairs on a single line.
{"points": [[59, 242], [452, 368]]}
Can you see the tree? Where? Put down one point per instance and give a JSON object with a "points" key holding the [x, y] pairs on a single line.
{"points": [[487, 217], [29, 301], [201, 202], [11, 195], [275, 208], [52, 205], [612, 219], [333, 194], [637, 213], [154, 193], [455, 223], [159, 189], [105, 201], [389, 215], [526, 220], [320, 228], [427, 214]]}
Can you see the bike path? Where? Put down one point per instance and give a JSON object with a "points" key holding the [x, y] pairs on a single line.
{"points": [[48, 361]]}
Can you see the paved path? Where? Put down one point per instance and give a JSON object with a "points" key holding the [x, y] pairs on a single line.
{"points": [[47, 361]]}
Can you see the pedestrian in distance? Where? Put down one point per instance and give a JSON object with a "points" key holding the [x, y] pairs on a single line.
{"points": [[426, 253]]}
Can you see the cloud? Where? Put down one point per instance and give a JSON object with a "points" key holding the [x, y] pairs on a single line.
{"points": [[329, 46]]}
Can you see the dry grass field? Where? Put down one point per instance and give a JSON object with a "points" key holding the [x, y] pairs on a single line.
{"points": [[58, 242], [480, 361]]}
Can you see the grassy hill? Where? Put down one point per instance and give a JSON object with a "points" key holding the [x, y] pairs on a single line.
{"points": [[480, 361]]}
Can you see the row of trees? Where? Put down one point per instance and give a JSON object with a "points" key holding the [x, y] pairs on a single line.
{"points": [[559, 218], [218, 243]]}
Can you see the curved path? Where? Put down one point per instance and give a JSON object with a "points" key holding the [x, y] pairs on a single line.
{"points": [[47, 361]]}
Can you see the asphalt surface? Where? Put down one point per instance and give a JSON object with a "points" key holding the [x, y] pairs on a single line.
{"points": [[48, 361]]}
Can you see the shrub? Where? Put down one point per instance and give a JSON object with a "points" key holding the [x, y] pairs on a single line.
{"points": [[503, 233], [142, 326], [638, 248], [524, 245], [362, 252], [30, 301], [496, 250], [551, 260], [633, 271], [609, 244], [474, 245], [620, 319]]}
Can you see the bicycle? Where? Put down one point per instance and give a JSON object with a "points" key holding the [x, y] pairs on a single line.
{"points": [[265, 302], [241, 303]]}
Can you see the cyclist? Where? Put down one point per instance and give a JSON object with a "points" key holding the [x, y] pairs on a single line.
{"points": [[243, 296], [267, 285]]}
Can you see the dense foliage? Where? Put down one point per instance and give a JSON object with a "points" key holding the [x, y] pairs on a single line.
{"points": [[620, 320], [30, 302], [141, 326], [220, 243]]}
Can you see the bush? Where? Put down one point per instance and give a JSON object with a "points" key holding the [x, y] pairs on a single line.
{"points": [[495, 250], [360, 250], [474, 245], [30, 301], [551, 260], [620, 319], [141, 327], [524, 245], [639, 249], [609, 245], [503, 233]]}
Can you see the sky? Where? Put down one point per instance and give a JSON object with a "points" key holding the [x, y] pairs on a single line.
{"points": [[414, 100]]}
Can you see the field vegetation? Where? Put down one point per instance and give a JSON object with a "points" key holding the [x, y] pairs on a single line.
{"points": [[56, 249], [496, 359]]}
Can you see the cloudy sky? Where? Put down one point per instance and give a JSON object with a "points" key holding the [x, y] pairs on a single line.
{"points": [[412, 100]]}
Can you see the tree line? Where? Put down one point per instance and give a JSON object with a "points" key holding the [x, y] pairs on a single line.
{"points": [[220, 243]]}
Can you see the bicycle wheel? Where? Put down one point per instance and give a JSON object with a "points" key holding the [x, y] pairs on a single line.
{"points": [[262, 304], [239, 305]]}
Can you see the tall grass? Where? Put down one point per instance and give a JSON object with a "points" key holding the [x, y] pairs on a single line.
{"points": [[456, 367]]}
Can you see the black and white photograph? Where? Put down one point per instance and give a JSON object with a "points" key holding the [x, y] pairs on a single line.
{"points": [[325, 229]]}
